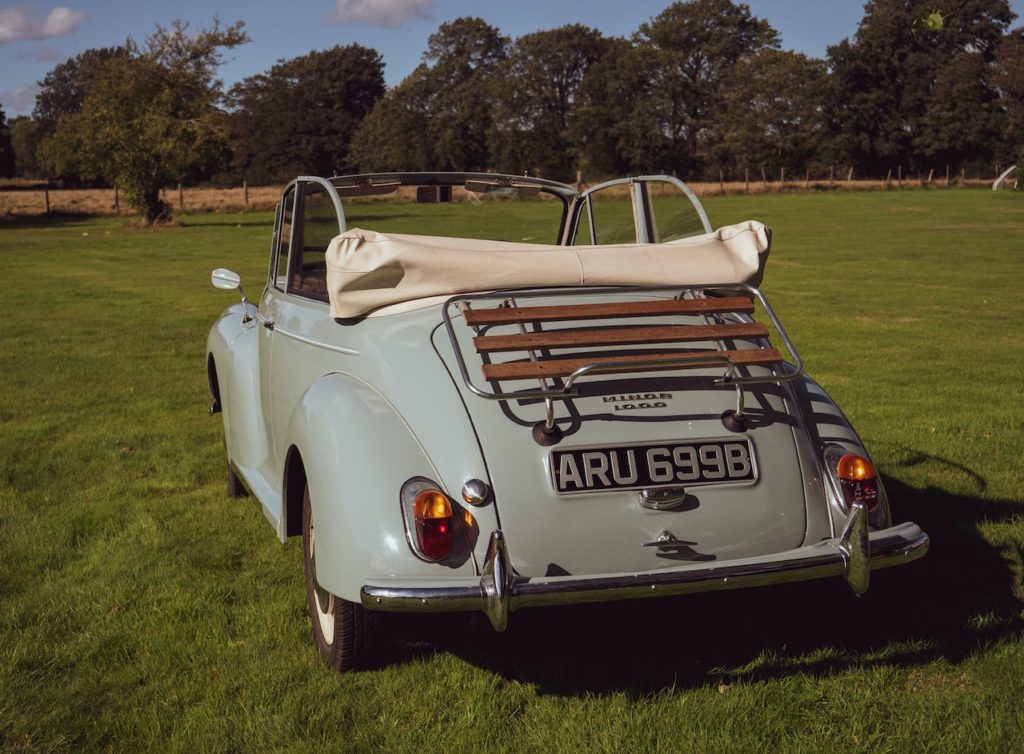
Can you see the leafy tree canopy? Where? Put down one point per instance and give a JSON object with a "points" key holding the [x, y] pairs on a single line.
{"points": [[25, 138], [538, 88], [888, 84], [301, 115], [7, 165], [150, 116]]}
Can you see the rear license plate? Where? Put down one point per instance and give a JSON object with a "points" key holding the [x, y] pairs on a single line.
{"points": [[665, 464]]}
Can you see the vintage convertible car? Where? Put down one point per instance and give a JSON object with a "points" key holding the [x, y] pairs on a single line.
{"points": [[542, 397]]}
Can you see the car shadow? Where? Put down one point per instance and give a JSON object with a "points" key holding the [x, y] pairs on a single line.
{"points": [[956, 601]]}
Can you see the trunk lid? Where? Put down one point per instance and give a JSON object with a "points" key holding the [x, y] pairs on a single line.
{"points": [[623, 433]]}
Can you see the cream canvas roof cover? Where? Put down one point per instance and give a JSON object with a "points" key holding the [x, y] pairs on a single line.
{"points": [[368, 270]]}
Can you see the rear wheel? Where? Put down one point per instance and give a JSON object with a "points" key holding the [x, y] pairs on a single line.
{"points": [[343, 630]]}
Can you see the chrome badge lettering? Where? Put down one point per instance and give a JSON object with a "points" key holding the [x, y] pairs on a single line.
{"points": [[636, 401]]}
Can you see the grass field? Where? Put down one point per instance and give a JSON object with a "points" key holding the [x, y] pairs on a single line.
{"points": [[141, 610]]}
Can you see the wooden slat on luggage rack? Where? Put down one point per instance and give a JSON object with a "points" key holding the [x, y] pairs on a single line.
{"points": [[617, 336], [517, 370], [569, 312]]}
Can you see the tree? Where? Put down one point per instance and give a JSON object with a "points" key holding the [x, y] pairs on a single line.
{"points": [[463, 56], [62, 90], [959, 121], [626, 120], [539, 84], [769, 113], [700, 42], [1008, 81], [889, 81], [300, 116], [442, 113], [395, 135], [7, 165], [26, 136], [149, 117]]}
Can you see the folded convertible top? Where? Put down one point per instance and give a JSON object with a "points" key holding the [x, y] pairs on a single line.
{"points": [[368, 270]]}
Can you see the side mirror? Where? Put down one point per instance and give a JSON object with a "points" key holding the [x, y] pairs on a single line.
{"points": [[229, 281], [225, 279]]}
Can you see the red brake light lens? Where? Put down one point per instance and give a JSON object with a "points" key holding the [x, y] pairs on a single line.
{"points": [[435, 530], [859, 481]]}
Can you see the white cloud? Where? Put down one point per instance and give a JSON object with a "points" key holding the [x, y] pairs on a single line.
{"points": [[390, 13], [61, 21], [17, 23], [20, 101]]}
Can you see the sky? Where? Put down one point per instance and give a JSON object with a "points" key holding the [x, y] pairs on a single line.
{"points": [[35, 36]]}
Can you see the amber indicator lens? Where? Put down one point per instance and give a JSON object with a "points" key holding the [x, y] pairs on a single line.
{"points": [[434, 524], [855, 468], [859, 480]]}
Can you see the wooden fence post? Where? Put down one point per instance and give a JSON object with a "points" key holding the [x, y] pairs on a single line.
{"points": [[899, 175], [46, 197], [888, 177], [181, 198], [962, 175], [849, 174], [931, 173], [947, 174], [831, 175], [721, 181], [782, 177], [117, 200], [746, 179], [764, 178], [807, 179], [245, 193]]}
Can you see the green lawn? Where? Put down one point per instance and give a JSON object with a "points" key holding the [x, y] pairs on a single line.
{"points": [[140, 609]]}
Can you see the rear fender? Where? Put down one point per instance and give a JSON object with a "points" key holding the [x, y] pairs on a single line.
{"points": [[826, 424], [357, 453]]}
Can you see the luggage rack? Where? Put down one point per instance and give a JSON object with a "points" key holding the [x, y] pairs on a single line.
{"points": [[726, 317]]}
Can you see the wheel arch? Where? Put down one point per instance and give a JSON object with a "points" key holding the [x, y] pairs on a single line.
{"points": [[350, 445], [213, 383], [293, 484]]}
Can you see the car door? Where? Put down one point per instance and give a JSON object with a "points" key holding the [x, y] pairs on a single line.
{"points": [[270, 305], [645, 209], [299, 328]]}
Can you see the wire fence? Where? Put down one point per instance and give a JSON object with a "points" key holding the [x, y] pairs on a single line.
{"points": [[35, 198]]}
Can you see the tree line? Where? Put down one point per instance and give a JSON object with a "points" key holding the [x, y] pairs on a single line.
{"points": [[700, 90]]}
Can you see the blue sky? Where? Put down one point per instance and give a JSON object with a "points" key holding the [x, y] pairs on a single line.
{"points": [[35, 36]]}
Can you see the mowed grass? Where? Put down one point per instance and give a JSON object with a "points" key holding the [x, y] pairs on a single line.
{"points": [[141, 610]]}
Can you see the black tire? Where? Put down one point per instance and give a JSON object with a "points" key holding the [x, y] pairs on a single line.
{"points": [[343, 631]]}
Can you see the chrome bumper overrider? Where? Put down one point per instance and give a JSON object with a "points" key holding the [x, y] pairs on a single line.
{"points": [[853, 555]]}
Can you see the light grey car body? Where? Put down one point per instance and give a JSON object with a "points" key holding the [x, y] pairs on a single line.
{"points": [[352, 410]]}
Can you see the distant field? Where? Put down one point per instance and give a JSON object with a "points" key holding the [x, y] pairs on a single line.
{"points": [[141, 610]]}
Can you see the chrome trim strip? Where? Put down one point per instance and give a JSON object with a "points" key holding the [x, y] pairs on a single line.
{"points": [[315, 343], [499, 593]]}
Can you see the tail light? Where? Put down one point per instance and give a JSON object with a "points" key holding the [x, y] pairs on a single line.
{"points": [[854, 477], [429, 519], [858, 480]]}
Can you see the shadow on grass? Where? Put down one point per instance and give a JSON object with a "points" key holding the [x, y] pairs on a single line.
{"points": [[52, 220], [240, 220], [956, 601]]}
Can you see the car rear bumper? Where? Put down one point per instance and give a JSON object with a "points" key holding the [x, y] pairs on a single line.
{"points": [[853, 555]]}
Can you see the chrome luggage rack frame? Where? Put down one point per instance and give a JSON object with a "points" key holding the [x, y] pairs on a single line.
{"points": [[780, 370]]}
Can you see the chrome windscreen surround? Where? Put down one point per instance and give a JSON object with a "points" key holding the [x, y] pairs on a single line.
{"points": [[499, 592]]}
